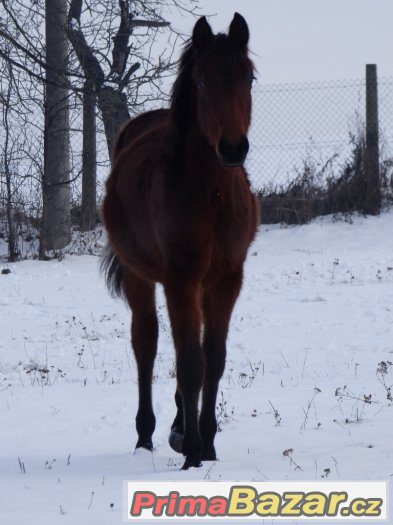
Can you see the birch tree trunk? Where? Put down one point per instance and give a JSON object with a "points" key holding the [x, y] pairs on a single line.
{"points": [[56, 231]]}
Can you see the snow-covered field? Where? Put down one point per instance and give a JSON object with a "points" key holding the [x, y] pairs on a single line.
{"points": [[308, 373]]}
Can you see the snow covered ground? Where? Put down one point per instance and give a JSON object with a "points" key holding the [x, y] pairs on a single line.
{"points": [[308, 373]]}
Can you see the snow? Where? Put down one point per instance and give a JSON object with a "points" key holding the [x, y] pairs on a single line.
{"points": [[312, 325]]}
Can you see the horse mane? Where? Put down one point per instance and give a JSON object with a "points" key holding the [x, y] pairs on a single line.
{"points": [[181, 100]]}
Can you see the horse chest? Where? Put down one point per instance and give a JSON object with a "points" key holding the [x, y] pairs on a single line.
{"points": [[230, 230]]}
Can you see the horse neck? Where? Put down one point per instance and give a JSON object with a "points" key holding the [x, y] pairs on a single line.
{"points": [[192, 156], [189, 147]]}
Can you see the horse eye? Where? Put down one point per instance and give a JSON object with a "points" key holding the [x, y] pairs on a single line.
{"points": [[251, 80], [200, 83]]}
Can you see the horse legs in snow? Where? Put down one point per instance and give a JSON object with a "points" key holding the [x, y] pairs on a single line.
{"points": [[144, 334], [183, 300], [218, 303]]}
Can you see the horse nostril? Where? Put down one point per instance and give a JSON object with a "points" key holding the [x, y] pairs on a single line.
{"points": [[233, 154], [245, 145], [225, 148]]}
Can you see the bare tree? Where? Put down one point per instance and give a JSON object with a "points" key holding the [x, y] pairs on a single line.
{"points": [[6, 165], [119, 57], [110, 85], [116, 69], [20, 164]]}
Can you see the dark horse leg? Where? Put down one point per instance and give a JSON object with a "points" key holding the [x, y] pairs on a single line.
{"points": [[184, 309], [177, 429], [218, 303], [144, 335]]}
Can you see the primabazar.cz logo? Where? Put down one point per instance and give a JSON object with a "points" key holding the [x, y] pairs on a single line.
{"points": [[214, 501]]}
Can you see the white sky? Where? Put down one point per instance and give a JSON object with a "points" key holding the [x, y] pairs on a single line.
{"points": [[306, 40]]}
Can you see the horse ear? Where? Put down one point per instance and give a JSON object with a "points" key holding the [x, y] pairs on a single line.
{"points": [[239, 34], [202, 35]]}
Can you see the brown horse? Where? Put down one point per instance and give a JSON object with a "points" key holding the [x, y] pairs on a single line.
{"points": [[179, 211]]}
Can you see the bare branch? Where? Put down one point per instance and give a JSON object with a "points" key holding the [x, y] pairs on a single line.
{"points": [[89, 63], [124, 82], [75, 11], [149, 23], [121, 50]]}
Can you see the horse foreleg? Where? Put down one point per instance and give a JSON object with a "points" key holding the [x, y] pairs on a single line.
{"points": [[144, 335], [184, 309], [218, 303], [177, 429]]}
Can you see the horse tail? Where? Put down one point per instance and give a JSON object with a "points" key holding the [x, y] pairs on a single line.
{"points": [[111, 268]]}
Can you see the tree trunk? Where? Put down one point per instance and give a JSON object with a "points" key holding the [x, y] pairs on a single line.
{"points": [[12, 238], [111, 102], [89, 155], [114, 111], [56, 232]]}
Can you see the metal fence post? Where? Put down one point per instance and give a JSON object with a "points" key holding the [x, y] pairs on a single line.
{"points": [[373, 198]]}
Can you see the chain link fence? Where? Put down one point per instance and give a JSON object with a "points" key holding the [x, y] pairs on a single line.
{"points": [[293, 125], [311, 122]]}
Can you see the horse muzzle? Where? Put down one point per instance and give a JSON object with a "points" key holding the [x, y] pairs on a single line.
{"points": [[233, 155]]}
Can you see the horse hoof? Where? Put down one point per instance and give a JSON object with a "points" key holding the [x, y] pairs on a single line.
{"points": [[146, 444], [191, 462], [176, 440]]}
